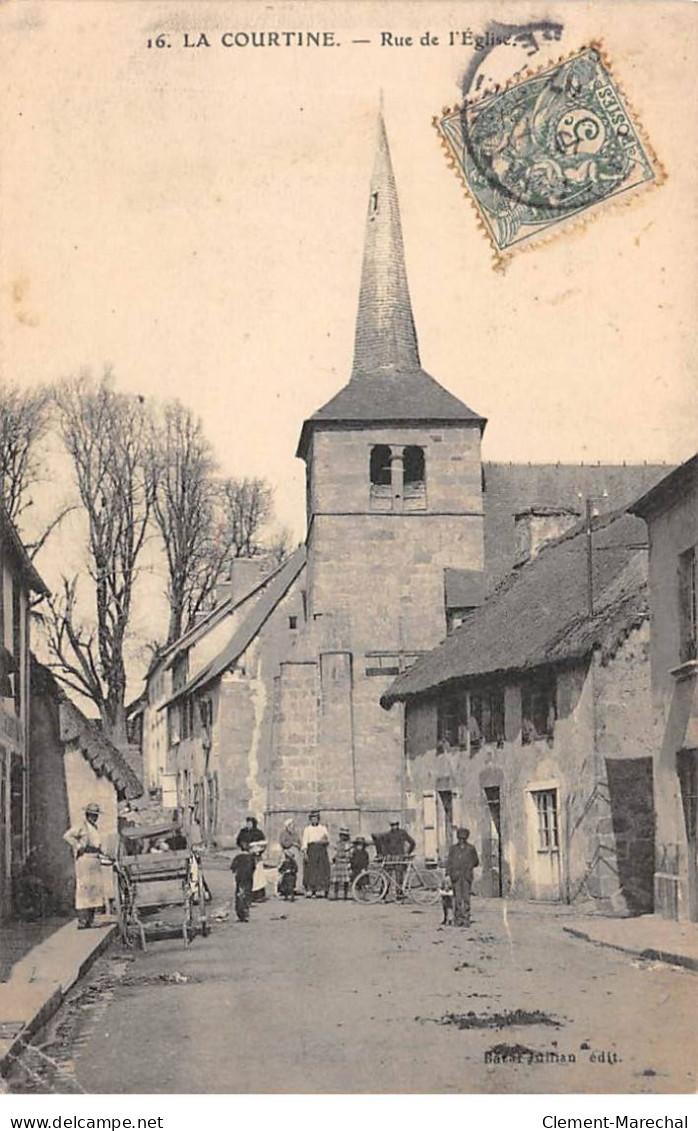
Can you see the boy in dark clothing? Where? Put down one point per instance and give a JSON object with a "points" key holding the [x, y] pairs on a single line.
{"points": [[288, 871], [462, 862], [243, 867]]}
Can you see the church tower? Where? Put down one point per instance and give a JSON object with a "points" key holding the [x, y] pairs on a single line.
{"points": [[395, 536]]}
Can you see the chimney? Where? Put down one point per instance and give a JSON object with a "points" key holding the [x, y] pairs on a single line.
{"points": [[537, 525], [244, 575]]}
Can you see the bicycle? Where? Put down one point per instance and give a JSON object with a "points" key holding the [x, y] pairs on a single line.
{"points": [[400, 877]]}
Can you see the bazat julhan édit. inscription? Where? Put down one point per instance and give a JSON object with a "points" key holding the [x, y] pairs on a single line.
{"points": [[308, 38]]}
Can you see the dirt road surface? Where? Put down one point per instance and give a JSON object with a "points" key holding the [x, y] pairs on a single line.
{"points": [[319, 996]]}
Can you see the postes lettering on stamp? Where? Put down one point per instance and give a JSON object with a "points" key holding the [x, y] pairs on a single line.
{"points": [[547, 149]]}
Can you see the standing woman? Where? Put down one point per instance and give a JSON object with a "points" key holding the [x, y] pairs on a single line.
{"points": [[85, 840], [316, 860]]}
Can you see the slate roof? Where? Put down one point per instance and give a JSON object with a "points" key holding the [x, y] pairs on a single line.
{"points": [[389, 396], [512, 488], [539, 615], [387, 382], [668, 490], [277, 587]]}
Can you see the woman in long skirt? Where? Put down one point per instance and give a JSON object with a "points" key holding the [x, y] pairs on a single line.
{"points": [[316, 860]]}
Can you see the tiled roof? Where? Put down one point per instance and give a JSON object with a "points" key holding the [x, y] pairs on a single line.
{"points": [[512, 488], [540, 613], [276, 589]]}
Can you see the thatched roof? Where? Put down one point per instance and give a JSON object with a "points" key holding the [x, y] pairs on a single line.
{"points": [[540, 615]]}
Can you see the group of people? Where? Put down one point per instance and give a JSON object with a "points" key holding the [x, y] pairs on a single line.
{"points": [[322, 872]]}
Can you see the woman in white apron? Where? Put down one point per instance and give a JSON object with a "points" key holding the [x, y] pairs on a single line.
{"points": [[85, 840]]}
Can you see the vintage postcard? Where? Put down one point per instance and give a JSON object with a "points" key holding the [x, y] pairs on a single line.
{"points": [[348, 548]]}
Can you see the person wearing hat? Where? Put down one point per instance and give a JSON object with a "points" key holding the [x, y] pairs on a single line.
{"points": [[85, 839], [460, 865], [358, 858], [316, 861], [396, 845], [341, 873]]}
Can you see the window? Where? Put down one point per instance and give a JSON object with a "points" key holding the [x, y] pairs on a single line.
{"points": [[380, 466], [538, 711], [688, 606], [414, 485], [486, 718], [173, 724], [293, 622], [548, 830], [452, 721]]}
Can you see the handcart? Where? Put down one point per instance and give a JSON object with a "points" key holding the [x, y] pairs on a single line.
{"points": [[157, 869]]}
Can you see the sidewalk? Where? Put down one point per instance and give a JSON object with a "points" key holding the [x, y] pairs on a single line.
{"points": [[647, 936], [39, 982], [17, 938]]}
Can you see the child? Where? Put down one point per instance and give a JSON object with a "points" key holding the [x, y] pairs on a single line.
{"points": [[243, 867], [358, 860], [341, 874], [288, 872], [446, 893]]}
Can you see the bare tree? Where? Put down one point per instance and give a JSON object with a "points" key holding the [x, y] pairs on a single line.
{"points": [[280, 545], [106, 436], [184, 499], [24, 424], [247, 506]]}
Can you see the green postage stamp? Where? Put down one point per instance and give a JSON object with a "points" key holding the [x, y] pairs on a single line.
{"points": [[547, 150]]}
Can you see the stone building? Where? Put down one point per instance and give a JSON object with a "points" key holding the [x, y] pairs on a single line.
{"points": [[407, 531], [208, 720], [531, 725], [19, 581], [671, 513]]}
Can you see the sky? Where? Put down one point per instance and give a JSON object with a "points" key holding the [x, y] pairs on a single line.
{"points": [[194, 217]]}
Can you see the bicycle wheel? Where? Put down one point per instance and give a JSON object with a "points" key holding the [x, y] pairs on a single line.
{"points": [[422, 886], [369, 887]]}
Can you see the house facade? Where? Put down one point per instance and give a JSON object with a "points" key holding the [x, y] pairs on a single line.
{"points": [[19, 583], [670, 510], [531, 725]]}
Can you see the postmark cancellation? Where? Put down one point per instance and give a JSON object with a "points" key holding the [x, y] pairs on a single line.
{"points": [[548, 151]]}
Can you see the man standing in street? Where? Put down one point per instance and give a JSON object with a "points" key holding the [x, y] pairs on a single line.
{"points": [[396, 845], [462, 862]]}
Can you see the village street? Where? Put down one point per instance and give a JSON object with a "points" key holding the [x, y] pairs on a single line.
{"points": [[323, 997]]}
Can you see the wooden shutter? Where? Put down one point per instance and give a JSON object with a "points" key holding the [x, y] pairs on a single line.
{"points": [[429, 823]]}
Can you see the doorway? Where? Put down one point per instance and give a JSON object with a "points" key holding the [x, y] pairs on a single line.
{"points": [[492, 845], [444, 816], [687, 766], [545, 844]]}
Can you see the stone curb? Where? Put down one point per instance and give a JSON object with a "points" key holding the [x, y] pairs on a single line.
{"points": [[649, 954], [48, 997]]}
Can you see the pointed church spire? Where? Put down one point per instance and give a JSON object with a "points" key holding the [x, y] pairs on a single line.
{"points": [[385, 334]]}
